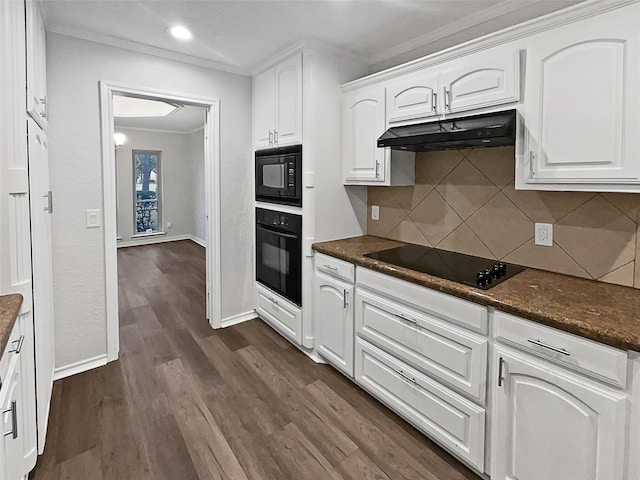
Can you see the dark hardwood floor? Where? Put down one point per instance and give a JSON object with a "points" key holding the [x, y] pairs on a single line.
{"points": [[186, 402]]}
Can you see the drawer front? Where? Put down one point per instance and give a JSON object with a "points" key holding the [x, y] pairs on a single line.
{"points": [[335, 267], [448, 307], [442, 350], [604, 362], [448, 418], [8, 355], [280, 314]]}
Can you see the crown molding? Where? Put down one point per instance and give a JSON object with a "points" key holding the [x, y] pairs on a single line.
{"points": [[144, 48], [565, 16], [157, 130]]}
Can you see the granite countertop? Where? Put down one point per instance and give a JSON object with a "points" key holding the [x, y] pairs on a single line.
{"points": [[9, 309], [603, 312]]}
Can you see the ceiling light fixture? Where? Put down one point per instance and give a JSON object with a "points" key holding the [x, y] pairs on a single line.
{"points": [[180, 32]]}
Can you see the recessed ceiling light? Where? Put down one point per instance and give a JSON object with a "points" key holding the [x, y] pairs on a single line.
{"points": [[180, 32]]}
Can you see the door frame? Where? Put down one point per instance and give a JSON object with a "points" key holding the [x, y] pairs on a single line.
{"points": [[212, 200]]}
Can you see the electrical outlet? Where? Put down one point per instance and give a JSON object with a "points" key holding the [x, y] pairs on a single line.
{"points": [[375, 212], [544, 234], [93, 218]]}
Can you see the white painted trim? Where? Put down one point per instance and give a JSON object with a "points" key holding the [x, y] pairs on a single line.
{"points": [[212, 191], [145, 235], [239, 318], [198, 240], [142, 48], [79, 367], [152, 239], [158, 130], [565, 16], [201, 127]]}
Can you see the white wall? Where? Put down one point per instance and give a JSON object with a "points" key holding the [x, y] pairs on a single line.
{"points": [[74, 68], [196, 147], [177, 177]]}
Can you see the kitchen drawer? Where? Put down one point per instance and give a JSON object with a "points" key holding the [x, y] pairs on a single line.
{"points": [[280, 314], [448, 307], [335, 267], [442, 350], [604, 362], [12, 344], [453, 421]]}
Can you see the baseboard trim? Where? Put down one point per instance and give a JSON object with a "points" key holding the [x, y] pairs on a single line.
{"points": [[152, 240], [79, 367], [198, 240], [239, 318]]}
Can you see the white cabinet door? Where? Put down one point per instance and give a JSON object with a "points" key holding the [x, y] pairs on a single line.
{"points": [[333, 319], [36, 65], [582, 106], [412, 97], [41, 203], [264, 109], [364, 122], [288, 106], [11, 423], [483, 80], [551, 424]]}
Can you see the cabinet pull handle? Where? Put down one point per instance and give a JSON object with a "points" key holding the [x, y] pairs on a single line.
{"points": [[275, 137], [270, 137], [14, 420], [447, 99], [532, 157], [500, 377], [49, 197], [407, 378], [345, 302], [377, 168], [549, 347], [20, 341], [434, 101], [329, 267], [402, 316]]}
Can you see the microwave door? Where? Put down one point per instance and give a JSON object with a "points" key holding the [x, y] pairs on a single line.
{"points": [[273, 176]]}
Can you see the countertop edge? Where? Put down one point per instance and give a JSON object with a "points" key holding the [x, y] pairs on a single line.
{"points": [[600, 334], [10, 305]]}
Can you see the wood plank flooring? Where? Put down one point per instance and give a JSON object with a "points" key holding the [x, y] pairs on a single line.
{"points": [[186, 402]]}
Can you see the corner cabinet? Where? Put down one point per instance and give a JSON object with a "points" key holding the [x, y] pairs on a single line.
{"points": [[277, 96], [582, 107], [333, 311], [550, 423]]}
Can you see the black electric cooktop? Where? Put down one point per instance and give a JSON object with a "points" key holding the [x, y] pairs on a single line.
{"points": [[477, 272]]}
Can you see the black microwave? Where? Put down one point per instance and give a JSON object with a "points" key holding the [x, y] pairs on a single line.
{"points": [[279, 175]]}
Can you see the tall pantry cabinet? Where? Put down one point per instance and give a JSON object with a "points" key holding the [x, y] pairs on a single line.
{"points": [[25, 239]]}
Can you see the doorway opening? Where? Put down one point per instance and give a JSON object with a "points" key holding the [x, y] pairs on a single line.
{"points": [[161, 174]]}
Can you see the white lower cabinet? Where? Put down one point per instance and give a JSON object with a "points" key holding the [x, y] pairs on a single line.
{"points": [[549, 423], [455, 422], [333, 309]]}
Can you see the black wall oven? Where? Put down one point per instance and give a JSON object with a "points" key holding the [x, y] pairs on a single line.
{"points": [[279, 252], [279, 175]]}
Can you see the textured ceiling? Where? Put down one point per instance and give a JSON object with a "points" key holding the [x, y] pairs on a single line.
{"points": [[237, 35]]}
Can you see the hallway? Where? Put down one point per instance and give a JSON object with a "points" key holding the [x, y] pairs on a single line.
{"points": [[186, 402]]}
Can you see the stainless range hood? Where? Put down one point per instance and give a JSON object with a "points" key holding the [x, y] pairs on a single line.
{"points": [[487, 130]]}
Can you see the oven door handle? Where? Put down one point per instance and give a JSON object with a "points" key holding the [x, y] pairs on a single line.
{"points": [[278, 232]]}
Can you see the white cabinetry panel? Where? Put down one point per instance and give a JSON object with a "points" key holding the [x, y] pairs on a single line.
{"points": [[412, 97]]}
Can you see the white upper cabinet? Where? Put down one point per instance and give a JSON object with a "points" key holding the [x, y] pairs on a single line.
{"points": [[412, 97], [277, 94], [364, 122], [551, 424], [582, 106], [482, 80], [36, 65]]}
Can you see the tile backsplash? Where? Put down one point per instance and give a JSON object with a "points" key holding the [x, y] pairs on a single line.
{"points": [[465, 201]]}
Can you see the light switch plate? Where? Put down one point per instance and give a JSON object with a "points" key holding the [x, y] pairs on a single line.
{"points": [[544, 234], [375, 212], [93, 218]]}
